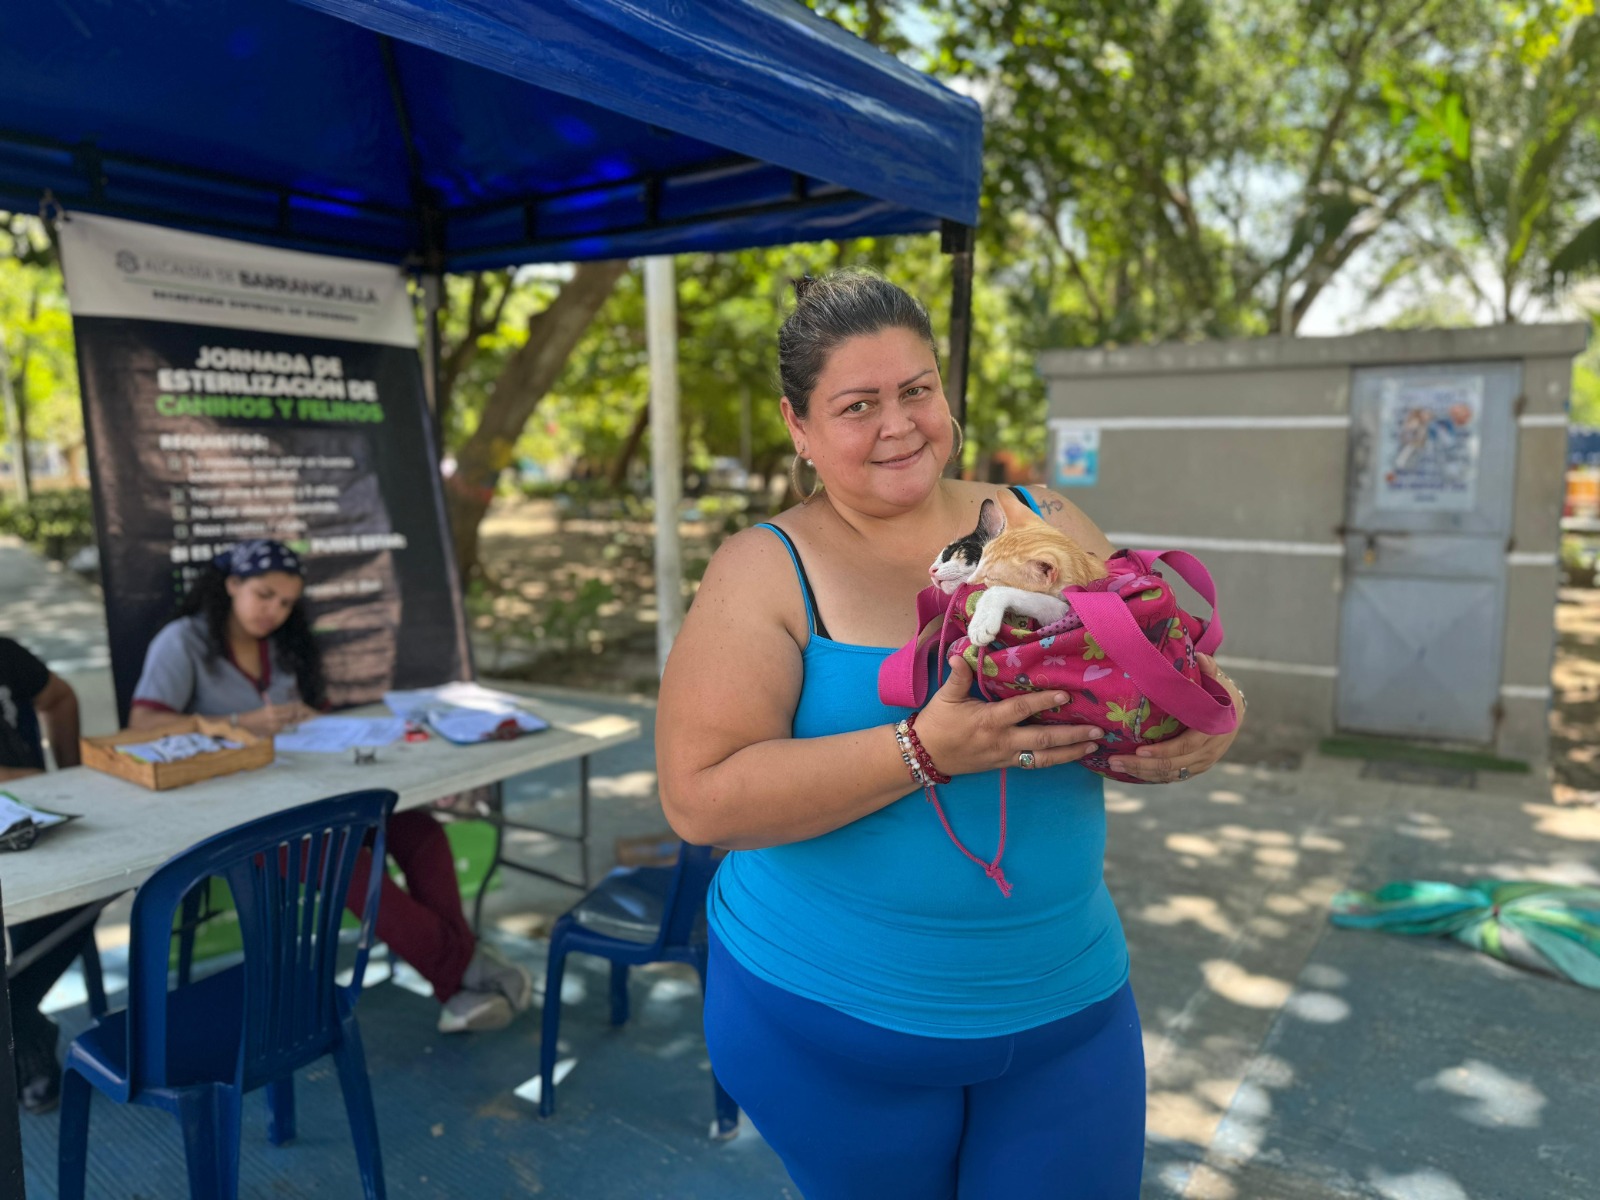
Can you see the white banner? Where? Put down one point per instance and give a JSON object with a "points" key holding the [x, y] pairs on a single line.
{"points": [[125, 269]]}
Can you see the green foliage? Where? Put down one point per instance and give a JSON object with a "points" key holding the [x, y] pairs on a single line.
{"points": [[1585, 407], [36, 347], [58, 521], [1512, 221]]}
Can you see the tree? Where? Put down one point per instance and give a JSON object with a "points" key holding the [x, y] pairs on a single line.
{"points": [[521, 382], [38, 368], [1514, 222], [1196, 169]]}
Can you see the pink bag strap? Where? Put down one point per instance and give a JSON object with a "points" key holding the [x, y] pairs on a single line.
{"points": [[1193, 572], [904, 679], [1205, 705]]}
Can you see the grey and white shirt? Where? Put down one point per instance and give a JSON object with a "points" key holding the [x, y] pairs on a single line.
{"points": [[182, 675]]}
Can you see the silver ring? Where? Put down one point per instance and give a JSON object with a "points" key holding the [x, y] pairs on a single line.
{"points": [[1025, 759], [1183, 772]]}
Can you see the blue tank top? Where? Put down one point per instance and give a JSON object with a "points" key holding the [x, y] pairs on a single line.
{"points": [[884, 919]]}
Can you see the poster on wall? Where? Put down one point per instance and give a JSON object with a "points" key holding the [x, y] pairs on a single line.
{"points": [[233, 391], [1075, 454], [1428, 444]]}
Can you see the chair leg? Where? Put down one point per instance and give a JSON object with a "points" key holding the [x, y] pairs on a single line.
{"points": [[72, 1173], [357, 1087], [280, 1110], [619, 993], [727, 1109], [94, 981], [550, 1025], [210, 1119]]}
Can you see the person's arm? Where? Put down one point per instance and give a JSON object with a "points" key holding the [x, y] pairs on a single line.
{"points": [[732, 774], [1191, 749], [57, 706], [25, 677], [167, 683]]}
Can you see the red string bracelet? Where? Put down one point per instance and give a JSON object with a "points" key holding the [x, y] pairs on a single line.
{"points": [[924, 759]]}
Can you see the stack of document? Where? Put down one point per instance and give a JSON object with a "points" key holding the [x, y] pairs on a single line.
{"points": [[20, 823], [337, 735], [176, 747], [466, 713]]}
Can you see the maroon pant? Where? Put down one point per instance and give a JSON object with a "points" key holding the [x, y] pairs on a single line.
{"points": [[422, 922]]}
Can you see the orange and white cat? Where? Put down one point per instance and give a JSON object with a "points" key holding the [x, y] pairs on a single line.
{"points": [[1024, 563]]}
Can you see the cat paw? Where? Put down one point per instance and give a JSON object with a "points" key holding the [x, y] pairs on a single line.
{"points": [[983, 629]]}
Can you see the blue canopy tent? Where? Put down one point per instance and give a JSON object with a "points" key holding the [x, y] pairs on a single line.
{"points": [[456, 135]]}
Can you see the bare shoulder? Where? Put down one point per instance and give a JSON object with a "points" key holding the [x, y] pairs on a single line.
{"points": [[751, 575], [1071, 520]]}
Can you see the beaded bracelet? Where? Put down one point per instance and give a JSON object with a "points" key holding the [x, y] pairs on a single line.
{"points": [[924, 759], [902, 737]]}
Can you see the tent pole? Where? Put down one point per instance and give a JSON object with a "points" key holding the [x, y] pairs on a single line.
{"points": [[957, 241], [432, 351], [666, 458]]}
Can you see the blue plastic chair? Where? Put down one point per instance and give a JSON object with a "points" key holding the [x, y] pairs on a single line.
{"points": [[196, 1050], [636, 915]]}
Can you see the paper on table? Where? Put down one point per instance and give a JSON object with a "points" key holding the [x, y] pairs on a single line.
{"points": [[421, 701], [465, 725], [335, 735], [13, 811], [21, 824], [466, 712]]}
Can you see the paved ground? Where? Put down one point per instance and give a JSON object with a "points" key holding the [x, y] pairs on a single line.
{"points": [[1287, 1060]]}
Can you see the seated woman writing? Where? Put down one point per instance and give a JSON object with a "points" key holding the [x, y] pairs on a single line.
{"points": [[241, 648]]}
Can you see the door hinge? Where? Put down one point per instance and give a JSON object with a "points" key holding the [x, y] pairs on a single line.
{"points": [[1520, 405]]}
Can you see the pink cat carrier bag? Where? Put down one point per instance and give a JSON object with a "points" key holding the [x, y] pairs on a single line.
{"points": [[1124, 654]]}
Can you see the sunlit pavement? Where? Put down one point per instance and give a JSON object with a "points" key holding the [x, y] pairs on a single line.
{"points": [[1287, 1060]]}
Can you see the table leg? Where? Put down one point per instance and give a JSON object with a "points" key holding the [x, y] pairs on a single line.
{"points": [[581, 838], [497, 808], [11, 1182]]}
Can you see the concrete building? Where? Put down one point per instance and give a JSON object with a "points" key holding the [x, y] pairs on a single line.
{"points": [[1381, 513]]}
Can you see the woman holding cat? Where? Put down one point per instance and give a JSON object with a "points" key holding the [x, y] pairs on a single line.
{"points": [[892, 1023]]}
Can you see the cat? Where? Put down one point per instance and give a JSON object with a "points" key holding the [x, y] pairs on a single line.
{"points": [[1024, 563]]}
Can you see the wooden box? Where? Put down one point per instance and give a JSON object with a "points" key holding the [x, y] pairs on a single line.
{"points": [[101, 754]]}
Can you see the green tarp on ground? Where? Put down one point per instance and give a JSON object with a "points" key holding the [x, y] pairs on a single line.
{"points": [[1551, 928]]}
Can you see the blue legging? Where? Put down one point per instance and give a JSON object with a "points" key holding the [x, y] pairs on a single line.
{"points": [[858, 1111]]}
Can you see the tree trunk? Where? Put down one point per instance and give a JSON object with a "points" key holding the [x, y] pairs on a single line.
{"points": [[527, 376], [619, 468]]}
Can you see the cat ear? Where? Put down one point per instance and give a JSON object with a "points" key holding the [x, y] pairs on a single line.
{"points": [[991, 520], [1045, 573]]}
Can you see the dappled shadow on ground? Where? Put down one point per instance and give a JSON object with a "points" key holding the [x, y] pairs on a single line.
{"points": [[1575, 715], [572, 599], [634, 1109], [1287, 1059]]}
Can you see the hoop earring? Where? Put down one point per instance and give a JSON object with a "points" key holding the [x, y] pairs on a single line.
{"points": [[794, 478], [960, 440]]}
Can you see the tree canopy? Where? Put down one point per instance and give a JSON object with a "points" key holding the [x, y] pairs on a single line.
{"points": [[1167, 169]]}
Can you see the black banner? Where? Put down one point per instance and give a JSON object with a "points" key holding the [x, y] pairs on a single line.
{"points": [[203, 435]]}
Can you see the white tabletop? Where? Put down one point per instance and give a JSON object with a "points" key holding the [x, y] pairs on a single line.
{"points": [[127, 831]]}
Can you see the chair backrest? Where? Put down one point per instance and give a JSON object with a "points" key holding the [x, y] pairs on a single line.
{"points": [[289, 873], [686, 893]]}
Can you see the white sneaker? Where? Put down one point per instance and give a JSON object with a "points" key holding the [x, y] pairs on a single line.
{"points": [[471, 1011], [492, 971]]}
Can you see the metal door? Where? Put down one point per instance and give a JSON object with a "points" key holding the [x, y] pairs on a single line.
{"points": [[1428, 519]]}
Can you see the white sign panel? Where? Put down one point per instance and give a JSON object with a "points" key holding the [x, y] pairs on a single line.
{"points": [[125, 269], [1075, 460], [1428, 444]]}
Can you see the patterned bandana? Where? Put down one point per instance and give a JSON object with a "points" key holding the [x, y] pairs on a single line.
{"points": [[257, 557]]}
